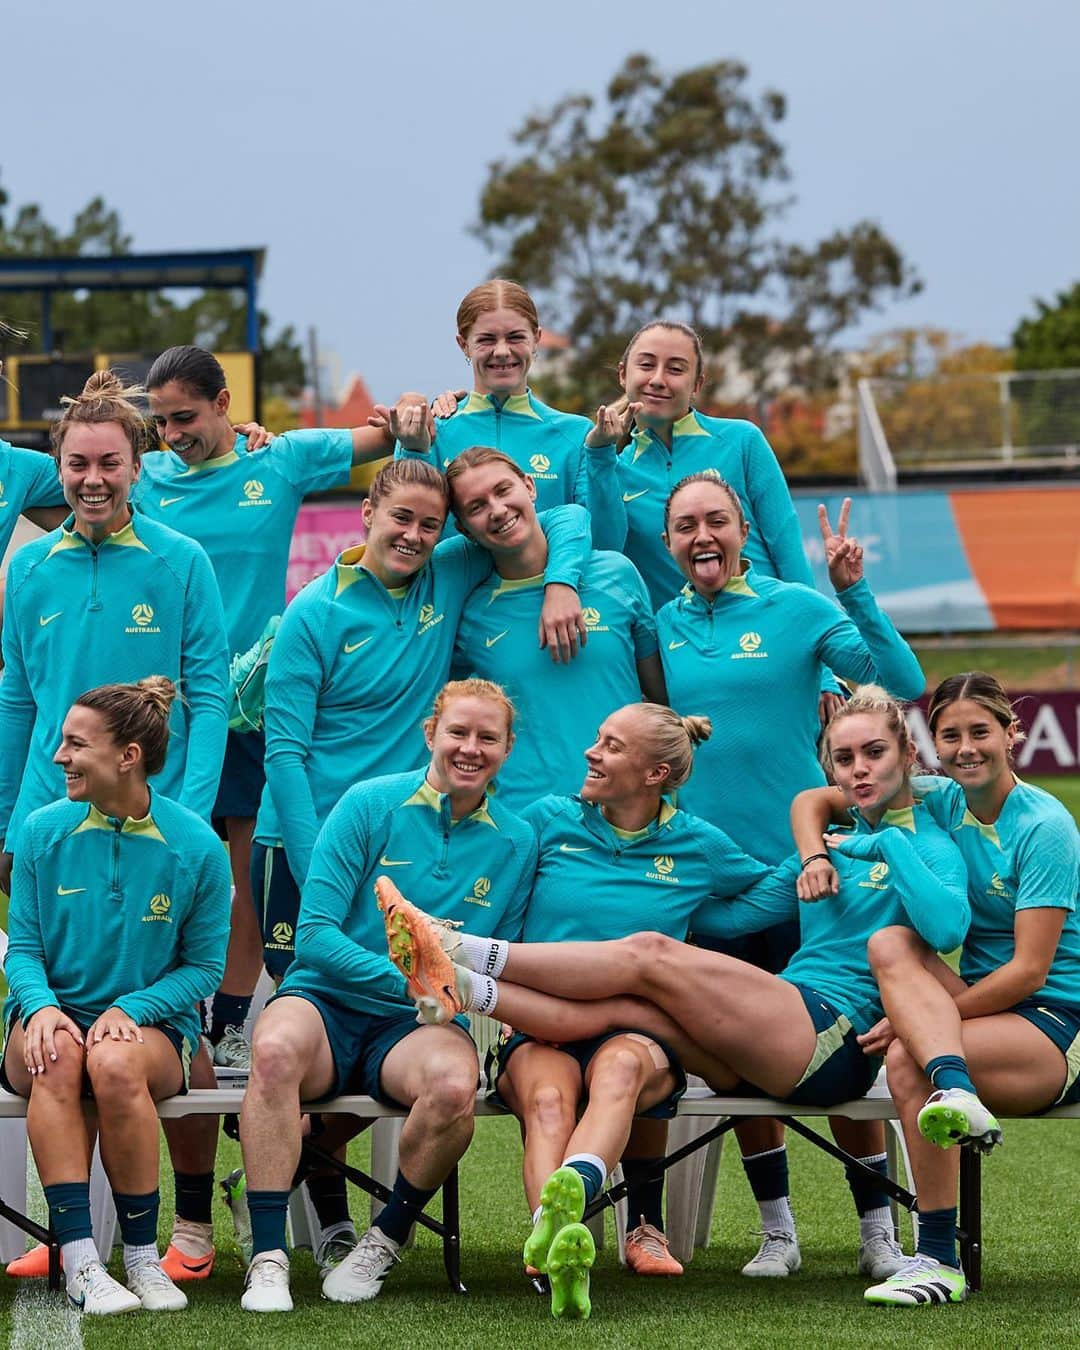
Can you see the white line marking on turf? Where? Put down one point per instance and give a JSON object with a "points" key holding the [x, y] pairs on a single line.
{"points": [[42, 1319]]}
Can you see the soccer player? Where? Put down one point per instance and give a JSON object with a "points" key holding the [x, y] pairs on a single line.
{"points": [[342, 1019], [793, 1036], [498, 330], [616, 859], [560, 706], [118, 923], [746, 650], [1001, 1035]]}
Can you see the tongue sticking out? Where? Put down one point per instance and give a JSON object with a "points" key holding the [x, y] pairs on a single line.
{"points": [[708, 570]]}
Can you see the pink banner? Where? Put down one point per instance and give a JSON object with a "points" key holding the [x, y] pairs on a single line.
{"points": [[1051, 720], [321, 533]]}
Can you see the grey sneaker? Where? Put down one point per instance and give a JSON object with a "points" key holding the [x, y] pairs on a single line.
{"points": [[360, 1276], [334, 1246], [880, 1256], [777, 1256], [233, 1050]]}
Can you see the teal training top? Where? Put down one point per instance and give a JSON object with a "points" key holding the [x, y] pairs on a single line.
{"points": [[477, 870], [354, 671], [595, 883], [905, 872], [750, 661], [647, 470], [1028, 859], [559, 707], [242, 508], [105, 913], [546, 443], [142, 602], [28, 478]]}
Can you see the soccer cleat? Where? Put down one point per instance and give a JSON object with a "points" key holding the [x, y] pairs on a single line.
{"points": [[32, 1265], [562, 1202], [360, 1276], [93, 1290], [266, 1287], [569, 1261], [233, 1051], [920, 1279], [647, 1252], [415, 949], [956, 1116], [336, 1243], [234, 1189], [191, 1251], [153, 1288], [777, 1257], [880, 1256]]}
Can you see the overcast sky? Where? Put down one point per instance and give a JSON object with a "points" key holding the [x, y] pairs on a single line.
{"points": [[352, 139]]}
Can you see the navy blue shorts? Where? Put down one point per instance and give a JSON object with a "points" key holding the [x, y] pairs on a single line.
{"points": [[583, 1052], [359, 1042], [176, 1039], [243, 776], [277, 906], [771, 949], [1062, 1024]]}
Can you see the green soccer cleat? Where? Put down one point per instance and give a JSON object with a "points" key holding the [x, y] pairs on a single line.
{"points": [[562, 1202], [956, 1116], [920, 1280], [569, 1261]]}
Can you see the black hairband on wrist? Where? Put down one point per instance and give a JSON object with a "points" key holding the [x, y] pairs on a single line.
{"points": [[814, 857]]}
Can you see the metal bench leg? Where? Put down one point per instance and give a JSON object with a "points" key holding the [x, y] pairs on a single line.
{"points": [[451, 1218], [971, 1215]]}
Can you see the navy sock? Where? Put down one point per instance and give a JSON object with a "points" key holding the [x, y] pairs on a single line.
{"points": [[866, 1193], [194, 1196], [69, 1210], [950, 1071], [268, 1210], [138, 1216], [590, 1174], [767, 1174], [937, 1236], [228, 1010], [644, 1196], [330, 1198], [405, 1203]]}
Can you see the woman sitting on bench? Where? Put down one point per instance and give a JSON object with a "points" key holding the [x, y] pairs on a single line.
{"points": [[792, 1036], [118, 924], [1006, 1030]]}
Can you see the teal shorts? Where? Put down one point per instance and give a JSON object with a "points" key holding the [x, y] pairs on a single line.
{"points": [[359, 1042], [1062, 1024]]}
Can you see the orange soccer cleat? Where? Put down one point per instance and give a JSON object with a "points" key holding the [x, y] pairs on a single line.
{"points": [[415, 947], [647, 1252]]}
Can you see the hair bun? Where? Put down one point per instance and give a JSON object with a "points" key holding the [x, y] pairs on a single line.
{"points": [[697, 728], [158, 691]]}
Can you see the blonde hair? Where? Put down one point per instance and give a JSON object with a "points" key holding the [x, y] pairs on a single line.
{"points": [[868, 698], [498, 293], [980, 688], [136, 713], [105, 398], [667, 738], [471, 688], [473, 458]]}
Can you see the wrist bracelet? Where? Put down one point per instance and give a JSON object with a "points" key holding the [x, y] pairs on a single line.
{"points": [[814, 857]]}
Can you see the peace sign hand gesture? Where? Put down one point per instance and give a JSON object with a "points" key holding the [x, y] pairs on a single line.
{"points": [[843, 556]]}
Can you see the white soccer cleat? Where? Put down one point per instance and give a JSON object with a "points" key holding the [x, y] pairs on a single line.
{"points": [[93, 1290], [360, 1276], [956, 1116], [155, 1291], [777, 1257], [266, 1288], [921, 1279]]}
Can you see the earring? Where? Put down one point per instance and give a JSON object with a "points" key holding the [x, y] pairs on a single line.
{"points": [[468, 360]]}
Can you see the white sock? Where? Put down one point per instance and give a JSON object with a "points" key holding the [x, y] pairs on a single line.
{"points": [[136, 1256], [873, 1221], [776, 1216], [484, 993], [536, 1214], [78, 1254], [593, 1161], [487, 956]]}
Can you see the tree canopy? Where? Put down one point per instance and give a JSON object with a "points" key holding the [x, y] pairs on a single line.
{"points": [[668, 201], [133, 321], [1051, 340]]}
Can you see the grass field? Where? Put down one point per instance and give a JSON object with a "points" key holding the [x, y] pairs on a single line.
{"points": [[1030, 1295]]}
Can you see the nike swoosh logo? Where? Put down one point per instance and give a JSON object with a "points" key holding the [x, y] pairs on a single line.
{"points": [[674, 646], [141, 1214], [490, 642], [74, 890], [1056, 1018], [384, 861], [570, 848], [633, 496], [351, 647], [197, 1266], [46, 619], [168, 501]]}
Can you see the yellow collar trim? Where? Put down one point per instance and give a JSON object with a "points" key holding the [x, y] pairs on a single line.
{"points": [[426, 795], [738, 584], [97, 820], [515, 403], [688, 425], [988, 832], [903, 817], [509, 584], [216, 462], [125, 537]]}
